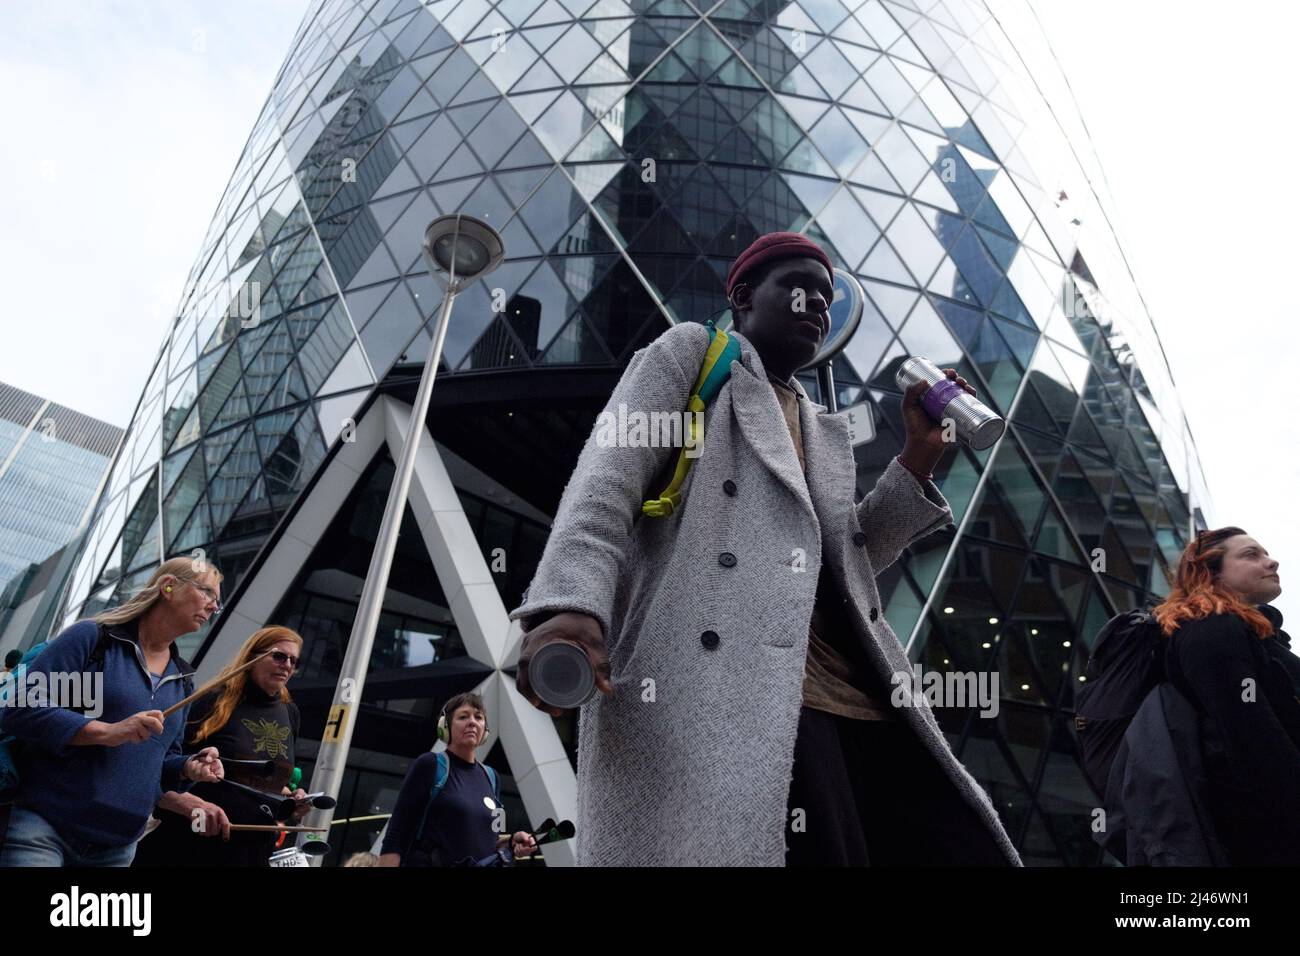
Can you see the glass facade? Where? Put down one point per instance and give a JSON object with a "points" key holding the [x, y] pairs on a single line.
{"points": [[627, 152], [52, 463]]}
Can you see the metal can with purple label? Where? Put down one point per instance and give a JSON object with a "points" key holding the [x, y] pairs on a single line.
{"points": [[975, 423]]}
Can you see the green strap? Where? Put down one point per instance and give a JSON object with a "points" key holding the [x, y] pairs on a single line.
{"points": [[715, 371]]}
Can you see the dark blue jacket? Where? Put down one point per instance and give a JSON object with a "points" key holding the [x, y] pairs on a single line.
{"points": [[104, 795]]}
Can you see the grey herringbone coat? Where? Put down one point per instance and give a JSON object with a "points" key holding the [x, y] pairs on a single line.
{"points": [[701, 773]]}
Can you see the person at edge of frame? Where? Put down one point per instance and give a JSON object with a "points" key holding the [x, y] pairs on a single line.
{"points": [[87, 786], [1226, 652]]}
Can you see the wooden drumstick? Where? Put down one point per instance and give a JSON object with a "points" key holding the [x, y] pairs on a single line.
{"points": [[269, 828], [215, 682]]}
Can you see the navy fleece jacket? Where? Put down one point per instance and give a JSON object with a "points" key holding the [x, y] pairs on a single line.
{"points": [[103, 795]]}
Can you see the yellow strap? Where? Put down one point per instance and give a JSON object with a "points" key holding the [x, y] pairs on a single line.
{"points": [[671, 497]]}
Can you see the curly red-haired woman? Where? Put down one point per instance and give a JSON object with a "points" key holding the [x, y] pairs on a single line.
{"points": [[1227, 654]]}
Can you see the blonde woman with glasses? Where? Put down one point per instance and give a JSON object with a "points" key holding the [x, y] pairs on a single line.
{"points": [[93, 768]]}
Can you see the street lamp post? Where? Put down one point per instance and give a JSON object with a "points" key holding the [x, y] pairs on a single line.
{"points": [[465, 249]]}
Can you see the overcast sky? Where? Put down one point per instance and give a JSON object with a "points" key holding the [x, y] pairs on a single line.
{"points": [[1191, 107], [124, 122]]}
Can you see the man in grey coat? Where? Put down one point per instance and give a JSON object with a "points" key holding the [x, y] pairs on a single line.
{"points": [[748, 620]]}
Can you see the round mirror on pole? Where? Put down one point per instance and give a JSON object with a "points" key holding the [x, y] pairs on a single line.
{"points": [[846, 314]]}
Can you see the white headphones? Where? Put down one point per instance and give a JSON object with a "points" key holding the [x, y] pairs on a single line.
{"points": [[444, 729]]}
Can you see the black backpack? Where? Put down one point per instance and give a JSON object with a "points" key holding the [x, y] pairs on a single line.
{"points": [[1127, 663]]}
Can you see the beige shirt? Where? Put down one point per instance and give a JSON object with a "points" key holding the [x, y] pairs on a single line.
{"points": [[831, 683]]}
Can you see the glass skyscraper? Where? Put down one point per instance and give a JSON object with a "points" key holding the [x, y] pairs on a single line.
{"points": [[627, 152], [53, 461]]}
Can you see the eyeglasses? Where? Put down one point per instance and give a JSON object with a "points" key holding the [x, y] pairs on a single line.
{"points": [[280, 657], [210, 594]]}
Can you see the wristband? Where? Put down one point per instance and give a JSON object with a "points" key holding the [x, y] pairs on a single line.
{"points": [[913, 472]]}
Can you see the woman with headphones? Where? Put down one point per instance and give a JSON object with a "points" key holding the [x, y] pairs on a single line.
{"points": [[449, 810]]}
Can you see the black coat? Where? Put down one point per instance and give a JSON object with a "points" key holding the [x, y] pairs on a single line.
{"points": [[1156, 807], [1244, 693], [1279, 648], [1209, 772]]}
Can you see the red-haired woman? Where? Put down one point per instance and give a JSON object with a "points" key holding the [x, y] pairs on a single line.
{"points": [[250, 718], [1224, 654]]}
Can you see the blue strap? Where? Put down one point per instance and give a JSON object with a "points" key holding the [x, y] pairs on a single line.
{"points": [[440, 774], [441, 770], [720, 371]]}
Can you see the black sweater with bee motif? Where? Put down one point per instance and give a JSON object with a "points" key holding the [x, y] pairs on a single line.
{"points": [[261, 727]]}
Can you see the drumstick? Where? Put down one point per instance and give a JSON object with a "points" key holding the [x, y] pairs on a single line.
{"points": [[269, 828], [215, 682]]}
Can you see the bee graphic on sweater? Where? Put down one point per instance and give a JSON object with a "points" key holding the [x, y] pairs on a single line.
{"points": [[268, 737]]}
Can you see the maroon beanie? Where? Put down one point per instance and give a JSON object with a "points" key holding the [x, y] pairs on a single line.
{"points": [[776, 245]]}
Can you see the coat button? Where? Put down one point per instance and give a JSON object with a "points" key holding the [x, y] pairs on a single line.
{"points": [[727, 559], [874, 614], [709, 639], [859, 538], [729, 487]]}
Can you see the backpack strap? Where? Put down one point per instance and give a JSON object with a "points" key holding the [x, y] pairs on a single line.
{"points": [[441, 770], [100, 650], [10, 744], [97, 653], [714, 372]]}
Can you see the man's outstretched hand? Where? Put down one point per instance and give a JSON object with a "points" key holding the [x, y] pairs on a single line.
{"points": [[924, 444], [581, 629]]}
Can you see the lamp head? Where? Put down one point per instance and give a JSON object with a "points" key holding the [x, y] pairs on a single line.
{"points": [[462, 248]]}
